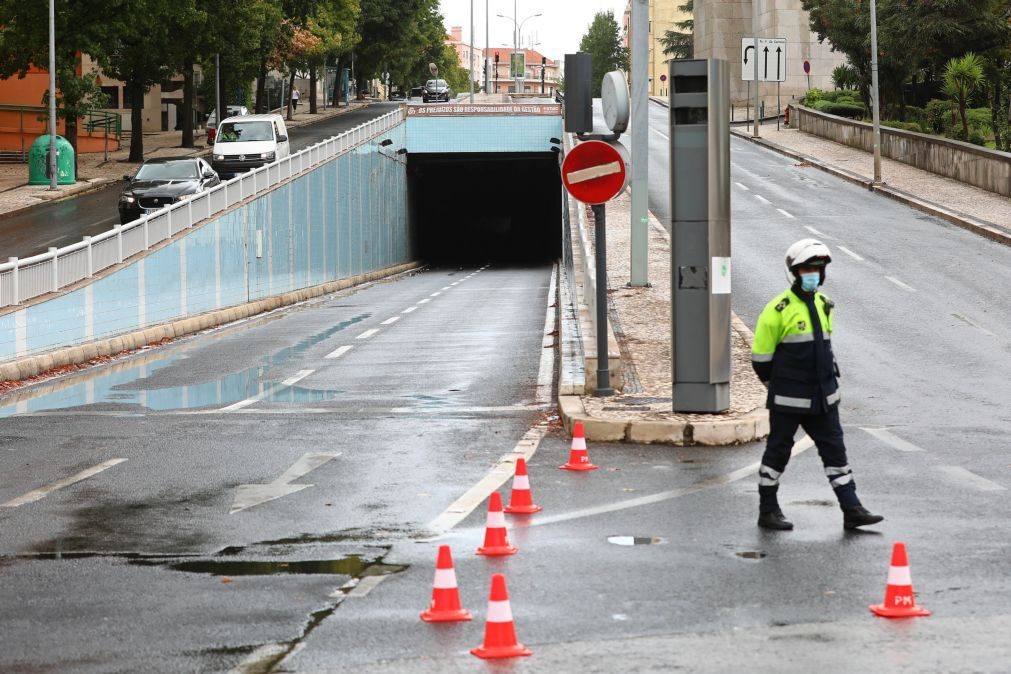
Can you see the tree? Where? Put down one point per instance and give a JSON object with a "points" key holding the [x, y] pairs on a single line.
{"points": [[962, 76], [333, 23], [83, 26], [680, 43], [388, 29], [602, 42]]}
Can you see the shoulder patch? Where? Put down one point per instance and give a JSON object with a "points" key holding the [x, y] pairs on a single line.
{"points": [[783, 304], [829, 305]]}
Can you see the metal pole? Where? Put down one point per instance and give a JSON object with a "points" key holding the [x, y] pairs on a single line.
{"points": [[471, 52], [516, 43], [217, 87], [779, 106], [874, 92], [639, 272], [487, 46], [754, 31], [600, 233], [53, 166]]}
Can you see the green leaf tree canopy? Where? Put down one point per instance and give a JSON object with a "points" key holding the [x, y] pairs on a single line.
{"points": [[602, 41], [680, 43]]}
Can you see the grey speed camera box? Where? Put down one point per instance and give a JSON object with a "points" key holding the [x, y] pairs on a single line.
{"points": [[700, 250]]}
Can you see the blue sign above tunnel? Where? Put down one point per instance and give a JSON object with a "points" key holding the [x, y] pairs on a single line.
{"points": [[483, 128]]}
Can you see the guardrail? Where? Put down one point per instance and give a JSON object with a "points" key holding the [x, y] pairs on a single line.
{"points": [[24, 279]]}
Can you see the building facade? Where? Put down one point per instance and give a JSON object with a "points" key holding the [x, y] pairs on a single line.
{"points": [[663, 15], [501, 83], [721, 24]]}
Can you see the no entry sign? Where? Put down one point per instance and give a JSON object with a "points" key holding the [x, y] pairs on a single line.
{"points": [[595, 172]]}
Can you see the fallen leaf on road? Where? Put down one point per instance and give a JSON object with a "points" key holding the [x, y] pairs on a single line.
{"points": [[226, 579]]}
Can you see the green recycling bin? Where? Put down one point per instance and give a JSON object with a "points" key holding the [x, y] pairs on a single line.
{"points": [[38, 162]]}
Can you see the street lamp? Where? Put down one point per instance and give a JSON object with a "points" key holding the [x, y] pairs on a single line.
{"points": [[875, 109], [517, 29]]}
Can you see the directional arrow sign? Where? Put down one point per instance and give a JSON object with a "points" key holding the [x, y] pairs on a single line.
{"points": [[249, 495], [771, 59]]}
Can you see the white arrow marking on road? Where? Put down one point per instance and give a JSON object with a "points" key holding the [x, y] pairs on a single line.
{"points": [[890, 438], [249, 495], [594, 172]]}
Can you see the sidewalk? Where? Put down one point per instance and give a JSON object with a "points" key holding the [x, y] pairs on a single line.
{"points": [[640, 318], [94, 172]]}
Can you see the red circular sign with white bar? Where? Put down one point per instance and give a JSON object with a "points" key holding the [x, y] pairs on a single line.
{"points": [[595, 172]]}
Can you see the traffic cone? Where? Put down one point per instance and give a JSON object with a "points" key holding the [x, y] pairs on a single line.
{"points": [[445, 605], [499, 633], [899, 600], [496, 542], [520, 500], [578, 458]]}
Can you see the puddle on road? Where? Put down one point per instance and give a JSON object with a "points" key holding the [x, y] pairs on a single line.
{"points": [[636, 540], [121, 386], [353, 565]]}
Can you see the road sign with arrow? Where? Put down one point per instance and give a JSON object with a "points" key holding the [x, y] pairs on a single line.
{"points": [[771, 59]]}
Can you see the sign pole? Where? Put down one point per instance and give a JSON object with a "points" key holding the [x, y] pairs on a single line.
{"points": [[600, 235], [53, 150], [874, 93], [639, 264], [754, 31], [779, 106]]}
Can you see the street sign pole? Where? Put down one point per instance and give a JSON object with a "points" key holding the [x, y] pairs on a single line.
{"points": [[603, 364], [639, 272], [874, 92], [53, 151], [471, 52], [754, 31]]}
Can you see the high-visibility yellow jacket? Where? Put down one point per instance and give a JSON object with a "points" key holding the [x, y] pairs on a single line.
{"points": [[792, 353]]}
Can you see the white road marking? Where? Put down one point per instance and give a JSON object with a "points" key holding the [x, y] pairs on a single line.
{"points": [[850, 253], [235, 407], [660, 133], [546, 371], [367, 334], [297, 377], [249, 495], [785, 213], [743, 187], [42, 492], [902, 285], [968, 478], [974, 324], [446, 287], [390, 321], [762, 199], [340, 351], [366, 585], [436, 294], [408, 310], [801, 445], [890, 438], [424, 301], [254, 662], [815, 231], [454, 283]]}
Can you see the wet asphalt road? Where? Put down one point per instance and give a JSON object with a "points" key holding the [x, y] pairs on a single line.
{"points": [[64, 222], [421, 409]]}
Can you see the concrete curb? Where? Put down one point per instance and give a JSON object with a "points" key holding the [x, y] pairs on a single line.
{"points": [[967, 222], [32, 366], [712, 432]]}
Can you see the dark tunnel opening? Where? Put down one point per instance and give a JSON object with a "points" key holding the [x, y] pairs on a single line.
{"points": [[500, 208]]}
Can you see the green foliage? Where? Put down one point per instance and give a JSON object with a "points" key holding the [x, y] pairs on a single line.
{"points": [[961, 78], [812, 96], [905, 126], [842, 96], [680, 44], [938, 115], [845, 76], [603, 43], [976, 137], [849, 110]]}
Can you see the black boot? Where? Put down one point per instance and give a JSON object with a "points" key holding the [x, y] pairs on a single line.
{"points": [[774, 519], [858, 516]]}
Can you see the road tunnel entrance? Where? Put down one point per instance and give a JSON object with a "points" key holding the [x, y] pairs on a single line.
{"points": [[502, 207]]}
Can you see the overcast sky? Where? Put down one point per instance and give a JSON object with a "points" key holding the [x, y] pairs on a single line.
{"points": [[559, 29]]}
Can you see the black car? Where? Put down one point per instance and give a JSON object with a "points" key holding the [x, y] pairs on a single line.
{"points": [[398, 96], [436, 90], [162, 181]]}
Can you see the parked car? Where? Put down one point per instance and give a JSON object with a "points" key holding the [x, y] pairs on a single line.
{"points": [[436, 90], [162, 181], [212, 119], [397, 96], [249, 142]]}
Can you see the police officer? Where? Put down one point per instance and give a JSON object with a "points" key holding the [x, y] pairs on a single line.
{"points": [[792, 354]]}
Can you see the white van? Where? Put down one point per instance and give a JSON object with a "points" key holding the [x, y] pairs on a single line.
{"points": [[249, 142]]}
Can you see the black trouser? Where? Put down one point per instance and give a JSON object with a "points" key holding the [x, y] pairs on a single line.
{"points": [[827, 434]]}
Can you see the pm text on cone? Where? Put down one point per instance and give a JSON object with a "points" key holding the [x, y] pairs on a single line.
{"points": [[578, 457]]}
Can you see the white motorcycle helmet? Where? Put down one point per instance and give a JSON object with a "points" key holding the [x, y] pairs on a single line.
{"points": [[809, 252]]}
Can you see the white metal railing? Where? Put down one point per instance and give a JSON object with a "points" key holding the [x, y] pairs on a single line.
{"points": [[23, 279]]}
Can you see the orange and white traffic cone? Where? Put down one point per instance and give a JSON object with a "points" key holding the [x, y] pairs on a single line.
{"points": [[521, 501], [578, 458], [899, 599], [445, 605], [499, 632], [496, 542]]}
